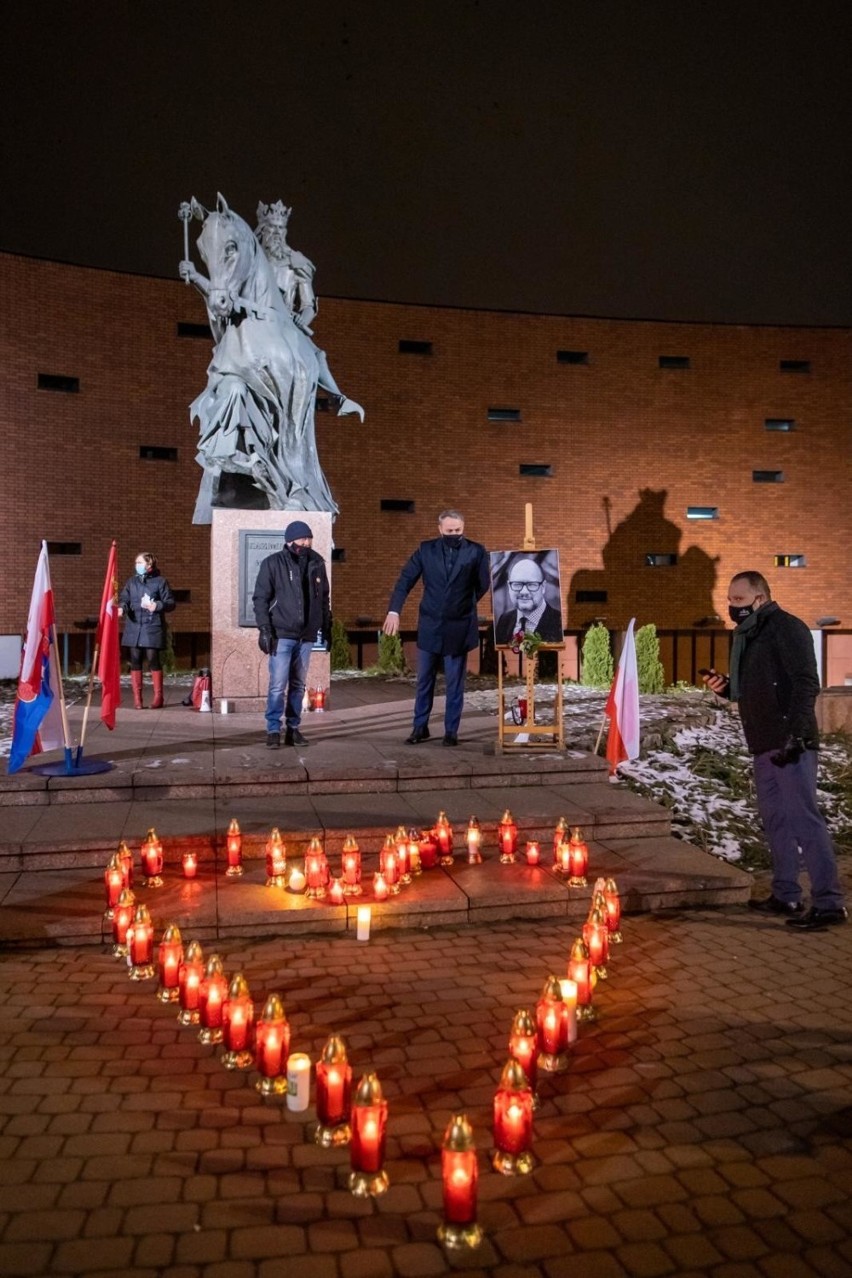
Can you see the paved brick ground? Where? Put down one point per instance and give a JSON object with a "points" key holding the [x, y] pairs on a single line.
{"points": [[703, 1129]]}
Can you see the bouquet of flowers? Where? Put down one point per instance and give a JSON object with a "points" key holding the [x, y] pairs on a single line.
{"points": [[526, 641]]}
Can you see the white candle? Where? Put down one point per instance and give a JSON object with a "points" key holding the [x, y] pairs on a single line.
{"points": [[363, 932], [298, 1081], [569, 998], [297, 881]]}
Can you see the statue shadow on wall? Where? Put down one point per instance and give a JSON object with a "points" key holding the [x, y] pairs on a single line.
{"points": [[679, 596]]}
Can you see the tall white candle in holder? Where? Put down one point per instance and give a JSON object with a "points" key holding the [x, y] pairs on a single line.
{"points": [[569, 998], [298, 1081], [363, 923]]}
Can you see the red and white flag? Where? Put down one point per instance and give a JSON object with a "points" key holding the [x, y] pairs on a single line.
{"points": [[37, 723], [109, 657], [622, 707]]}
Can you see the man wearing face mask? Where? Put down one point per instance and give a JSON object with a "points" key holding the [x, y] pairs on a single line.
{"points": [[291, 607], [455, 577], [774, 680]]}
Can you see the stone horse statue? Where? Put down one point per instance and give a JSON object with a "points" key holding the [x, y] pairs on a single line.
{"points": [[256, 414]]}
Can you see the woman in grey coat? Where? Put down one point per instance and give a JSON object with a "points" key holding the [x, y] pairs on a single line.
{"points": [[145, 597]]}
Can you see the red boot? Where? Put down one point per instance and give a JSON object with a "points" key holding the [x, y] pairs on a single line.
{"points": [[136, 684], [157, 680]]}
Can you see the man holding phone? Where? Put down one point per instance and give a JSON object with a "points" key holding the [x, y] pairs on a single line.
{"points": [[774, 680]]}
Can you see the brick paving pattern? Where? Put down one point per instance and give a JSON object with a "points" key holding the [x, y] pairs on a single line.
{"points": [[703, 1127]]}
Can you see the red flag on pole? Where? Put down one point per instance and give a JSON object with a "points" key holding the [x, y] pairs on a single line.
{"points": [[622, 707], [109, 658]]}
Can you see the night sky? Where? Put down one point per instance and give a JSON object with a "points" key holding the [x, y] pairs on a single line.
{"points": [[648, 158]]}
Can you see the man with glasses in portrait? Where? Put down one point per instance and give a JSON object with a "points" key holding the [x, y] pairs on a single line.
{"points": [[531, 612]]}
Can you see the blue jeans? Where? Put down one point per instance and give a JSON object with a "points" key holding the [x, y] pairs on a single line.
{"points": [[455, 669], [792, 822], [288, 669]]}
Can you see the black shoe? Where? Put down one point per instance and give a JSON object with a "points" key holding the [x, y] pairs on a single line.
{"points": [[451, 738], [817, 920], [418, 735], [771, 905], [273, 740], [294, 737]]}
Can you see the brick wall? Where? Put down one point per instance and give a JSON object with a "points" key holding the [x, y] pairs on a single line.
{"points": [[630, 446]]}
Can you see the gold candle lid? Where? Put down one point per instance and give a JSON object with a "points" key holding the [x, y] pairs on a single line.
{"points": [[141, 915], [193, 952], [126, 897], [459, 1134], [513, 1078], [171, 935], [350, 843], [214, 967], [611, 888], [334, 1052], [238, 987], [524, 1022], [552, 989], [114, 863], [273, 1009], [507, 818], [579, 950], [369, 1091]]}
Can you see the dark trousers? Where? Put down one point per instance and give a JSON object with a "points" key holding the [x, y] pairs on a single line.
{"points": [[455, 668], [794, 825]]}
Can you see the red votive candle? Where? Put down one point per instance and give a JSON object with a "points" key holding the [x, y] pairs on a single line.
{"points": [[513, 1117], [272, 1047], [523, 1046], [169, 955], [234, 847], [190, 974], [459, 1182], [189, 861], [367, 1146], [113, 885], [334, 1093], [237, 1025]]}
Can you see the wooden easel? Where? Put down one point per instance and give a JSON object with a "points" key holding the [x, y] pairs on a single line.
{"points": [[536, 737]]}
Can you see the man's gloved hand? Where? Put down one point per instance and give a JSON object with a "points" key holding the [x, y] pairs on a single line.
{"points": [[267, 641], [792, 749]]}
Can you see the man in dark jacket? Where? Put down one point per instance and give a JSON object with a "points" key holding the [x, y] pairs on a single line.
{"points": [[291, 607], [774, 680], [455, 577]]}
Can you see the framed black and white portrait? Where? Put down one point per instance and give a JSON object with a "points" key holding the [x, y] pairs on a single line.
{"points": [[526, 595]]}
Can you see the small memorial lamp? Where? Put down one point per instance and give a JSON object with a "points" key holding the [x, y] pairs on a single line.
{"points": [[351, 858], [579, 858], [316, 870], [580, 970], [533, 852], [336, 894], [237, 1025], [459, 1180], [369, 1119], [523, 1047], [596, 936], [473, 839], [552, 1022], [169, 955], [234, 848], [211, 998], [560, 836], [140, 945], [272, 1047], [113, 885], [613, 911], [276, 860], [389, 865], [122, 918], [189, 862], [507, 838], [125, 856], [414, 866], [443, 834], [429, 850], [334, 1094], [380, 887], [513, 1121], [190, 975], [152, 860]]}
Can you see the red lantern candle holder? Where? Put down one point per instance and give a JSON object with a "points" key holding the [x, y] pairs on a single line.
{"points": [[613, 912], [564, 865], [429, 851], [140, 945], [316, 870], [234, 849], [460, 1183], [414, 865], [580, 970], [380, 887], [125, 856], [189, 862], [272, 1047], [552, 1025], [336, 894], [596, 936], [523, 1048], [169, 955], [401, 845], [237, 1025], [320, 698], [533, 852], [351, 862], [211, 999], [389, 866], [569, 998], [122, 918], [579, 858], [190, 976], [276, 860], [513, 1122], [443, 836], [473, 838], [113, 886], [560, 836], [334, 1094], [507, 838], [369, 1118], [152, 860]]}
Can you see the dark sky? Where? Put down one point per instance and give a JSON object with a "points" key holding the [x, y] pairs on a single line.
{"points": [[647, 158]]}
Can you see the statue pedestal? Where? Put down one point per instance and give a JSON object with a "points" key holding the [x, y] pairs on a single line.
{"points": [[239, 540]]}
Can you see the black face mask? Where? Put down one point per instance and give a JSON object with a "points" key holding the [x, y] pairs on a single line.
{"points": [[452, 540], [739, 614], [296, 549]]}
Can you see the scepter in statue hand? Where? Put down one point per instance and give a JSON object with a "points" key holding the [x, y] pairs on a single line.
{"points": [[185, 214]]}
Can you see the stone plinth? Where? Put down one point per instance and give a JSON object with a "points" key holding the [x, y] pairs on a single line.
{"points": [[239, 668], [834, 710]]}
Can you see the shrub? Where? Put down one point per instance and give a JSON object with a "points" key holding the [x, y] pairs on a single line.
{"points": [[391, 656], [596, 668], [652, 676], [340, 653]]}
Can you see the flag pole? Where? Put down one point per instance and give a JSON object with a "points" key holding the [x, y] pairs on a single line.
{"points": [[88, 700], [63, 709], [600, 734]]}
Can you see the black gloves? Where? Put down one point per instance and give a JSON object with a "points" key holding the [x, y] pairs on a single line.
{"points": [[267, 641], [792, 749]]}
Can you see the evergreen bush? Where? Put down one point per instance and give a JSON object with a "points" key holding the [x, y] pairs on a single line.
{"points": [[340, 653], [391, 656], [652, 676], [596, 668]]}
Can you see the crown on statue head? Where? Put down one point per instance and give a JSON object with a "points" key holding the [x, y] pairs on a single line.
{"points": [[277, 215]]}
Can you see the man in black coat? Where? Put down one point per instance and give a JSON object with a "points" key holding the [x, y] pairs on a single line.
{"points": [[291, 607], [774, 680], [455, 577], [532, 614]]}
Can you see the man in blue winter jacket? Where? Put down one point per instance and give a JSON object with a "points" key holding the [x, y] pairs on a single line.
{"points": [[455, 575], [774, 680]]}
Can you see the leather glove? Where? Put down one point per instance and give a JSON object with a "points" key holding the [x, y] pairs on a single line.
{"points": [[267, 641], [792, 749]]}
